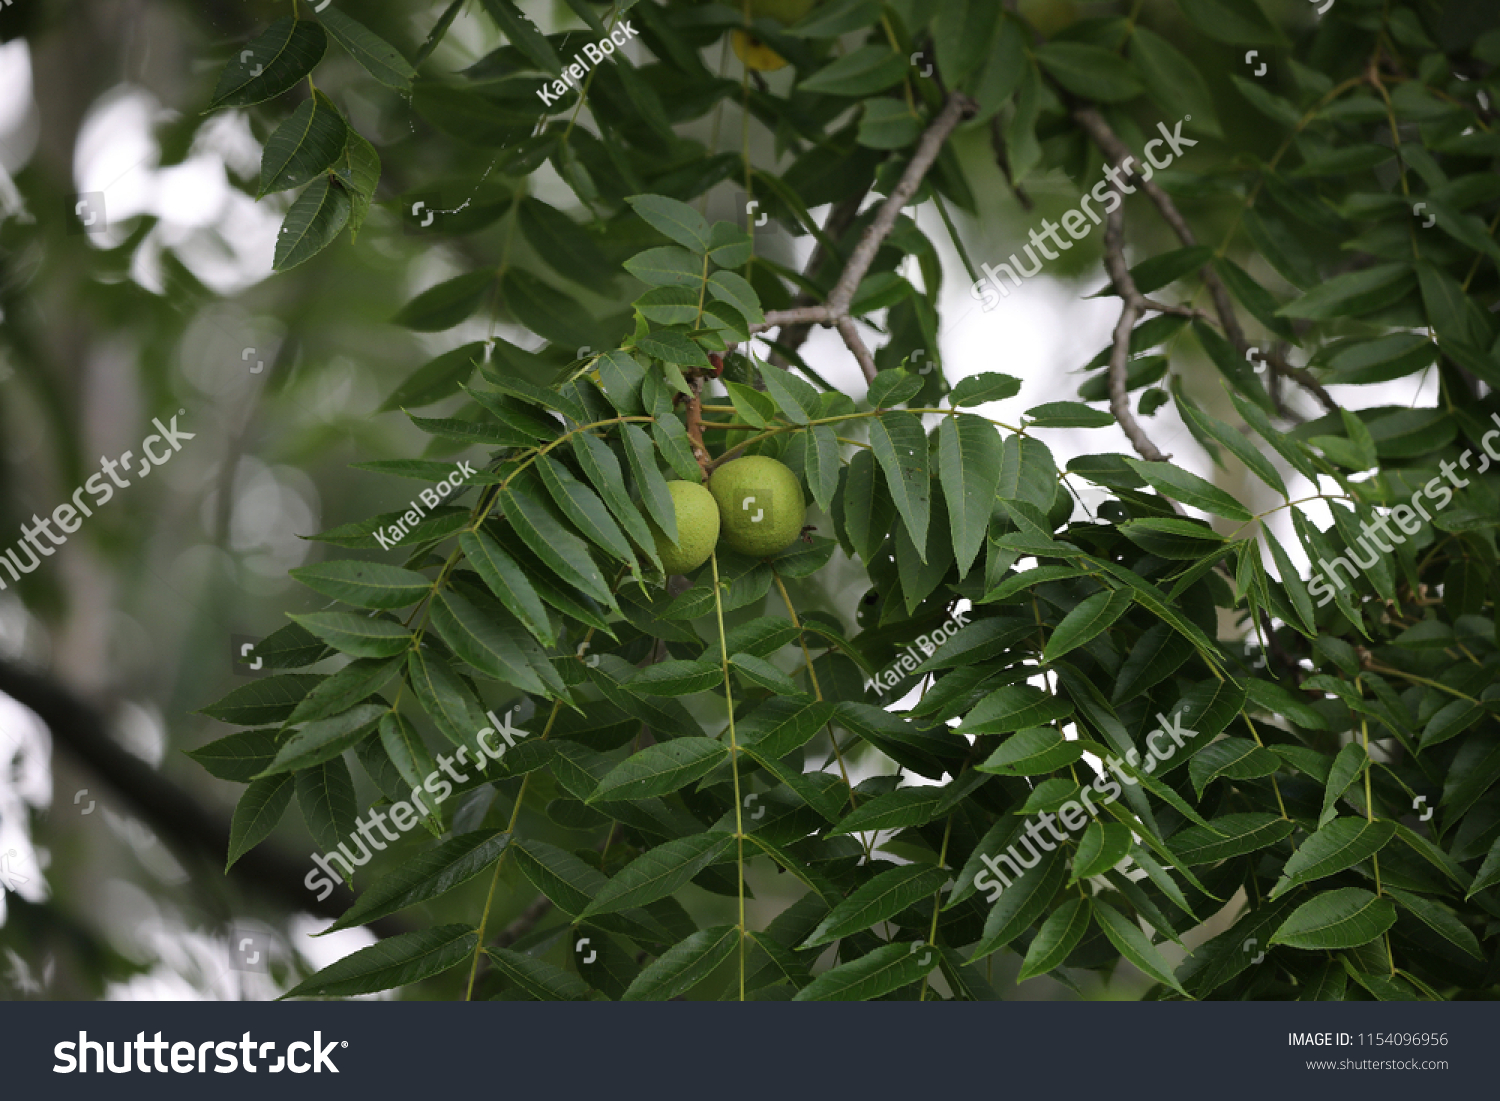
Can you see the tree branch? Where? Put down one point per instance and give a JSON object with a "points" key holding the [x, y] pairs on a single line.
{"points": [[695, 425], [836, 310], [842, 215], [927, 151], [1119, 356], [855, 343], [1118, 153], [191, 830]]}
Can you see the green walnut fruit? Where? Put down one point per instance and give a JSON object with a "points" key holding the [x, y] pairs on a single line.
{"points": [[697, 528], [761, 509]]}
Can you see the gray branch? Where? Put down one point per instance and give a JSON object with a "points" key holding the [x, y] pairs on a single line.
{"points": [[836, 310]]}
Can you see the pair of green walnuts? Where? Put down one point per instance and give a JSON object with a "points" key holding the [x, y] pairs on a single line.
{"points": [[754, 504]]}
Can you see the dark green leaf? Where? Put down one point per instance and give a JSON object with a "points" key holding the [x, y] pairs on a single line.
{"points": [[1059, 935], [673, 219], [365, 584], [313, 221], [327, 738], [888, 968], [1345, 918], [304, 145], [1089, 71], [326, 794], [508, 582], [900, 446], [684, 965], [394, 962], [256, 814], [660, 769], [357, 635], [379, 58], [426, 875], [877, 899], [1087, 621], [240, 757], [447, 304], [1134, 945], [273, 63], [660, 872]]}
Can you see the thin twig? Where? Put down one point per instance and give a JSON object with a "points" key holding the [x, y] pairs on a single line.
{"points": [[835, 311], [927, 151], [1119, 356], [695, 424], [855, 343], [1118, 153], [792, 336], [1167, 307], [800, 315]]}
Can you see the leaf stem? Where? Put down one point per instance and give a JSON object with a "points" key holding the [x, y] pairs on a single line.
{"points": [[734, 760], [489, 898], [817, 691], [1274, 785], [937, 897]]}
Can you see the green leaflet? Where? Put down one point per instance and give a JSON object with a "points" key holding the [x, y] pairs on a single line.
{"points": [[1133, 944], [271, 64], [395, 962], [888, 968], [659, 769], [684, 965], [542, 980], [256, 814], [882, 897], [1085, 622], [1340, 844], [1345, 918], [660, 872], [1059, 935], [303, 145], [378, 57], [364, 584], [969, 451], [900, 447], [428, 875]]}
